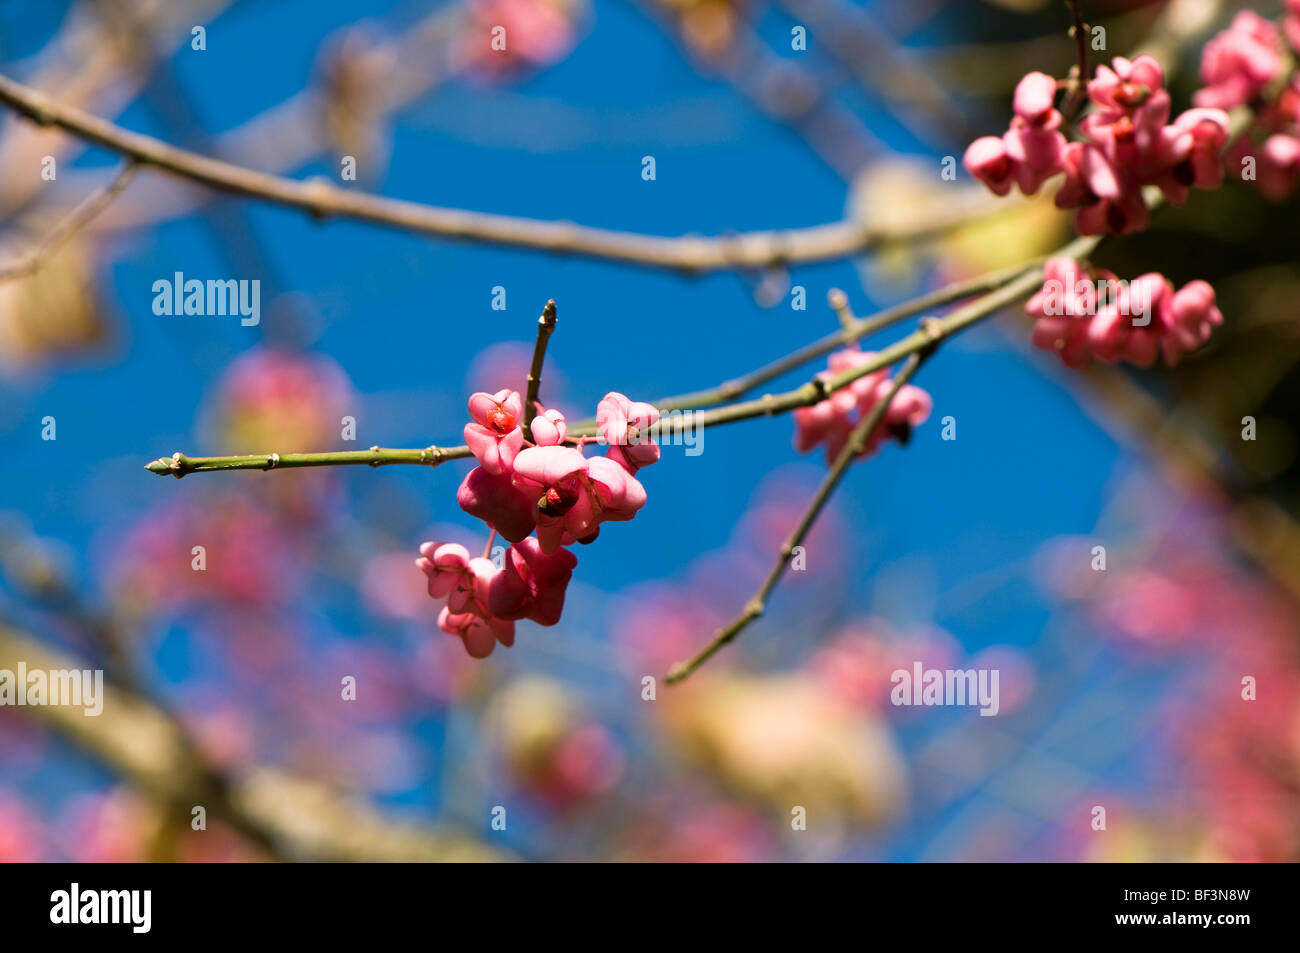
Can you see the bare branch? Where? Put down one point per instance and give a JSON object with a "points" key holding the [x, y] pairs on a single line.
{"points": [[545, 325], [856, 444], [321, 198], [69, 225]]}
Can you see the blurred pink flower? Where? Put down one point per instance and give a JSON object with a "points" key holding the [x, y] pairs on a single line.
{"points": [[1239, 62]]}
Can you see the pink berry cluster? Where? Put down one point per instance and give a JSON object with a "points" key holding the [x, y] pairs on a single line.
{"points": [[542, 485], [832, 420], [1239, 68], [1125, 142], [1082, 316]]}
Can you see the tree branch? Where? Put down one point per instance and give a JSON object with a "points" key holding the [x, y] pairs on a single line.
{"points": [[856, 330], [545, 325], [322, 199], [297, 818], [1027, 280], [1079, 73], [77, 219], [856, 444], [178, 465]]}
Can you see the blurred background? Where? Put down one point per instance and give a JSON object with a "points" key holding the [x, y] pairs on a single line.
{"points": [[1120, 688]]}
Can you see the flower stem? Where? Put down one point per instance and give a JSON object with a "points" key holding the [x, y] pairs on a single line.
{"points": [[178, 465], [1078, 83], [545, 325]]}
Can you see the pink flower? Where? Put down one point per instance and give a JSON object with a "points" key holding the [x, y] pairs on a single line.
{"points": [[1089, 177], [532, 583], [453, 574], [1279, 166], [621, 423], [1291, 23], [1126, 85], [1239, 62], [1188, 319], [574, 494], [495, 436], [833, 420], [1034, 143], [1036, 152], [496, 500], [987, 160], [1035, 94], [1102, 178], [1082, 317], [445, 565], [1127, 143], [1114, 333], [549, 428], [909, 409], [536, 33], [1061, 311], [479, 634], [1195, 151], [466, 583]]}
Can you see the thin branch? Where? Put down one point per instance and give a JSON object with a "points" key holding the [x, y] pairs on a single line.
{"points": [[1027, 281], [839, 303], [855, 331], [545, 325], [178, 464], [1079, 73], [819, 388], [322, 199], [77, 219], [916, 347], [886, 67], [856, 444]]}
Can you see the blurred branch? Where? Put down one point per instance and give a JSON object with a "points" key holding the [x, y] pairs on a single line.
{"points": [[73, 222], [883, 65], [1079, 73], [782, 89], [296, 818], [94, 61], [1262, 530], [322, 199]]}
